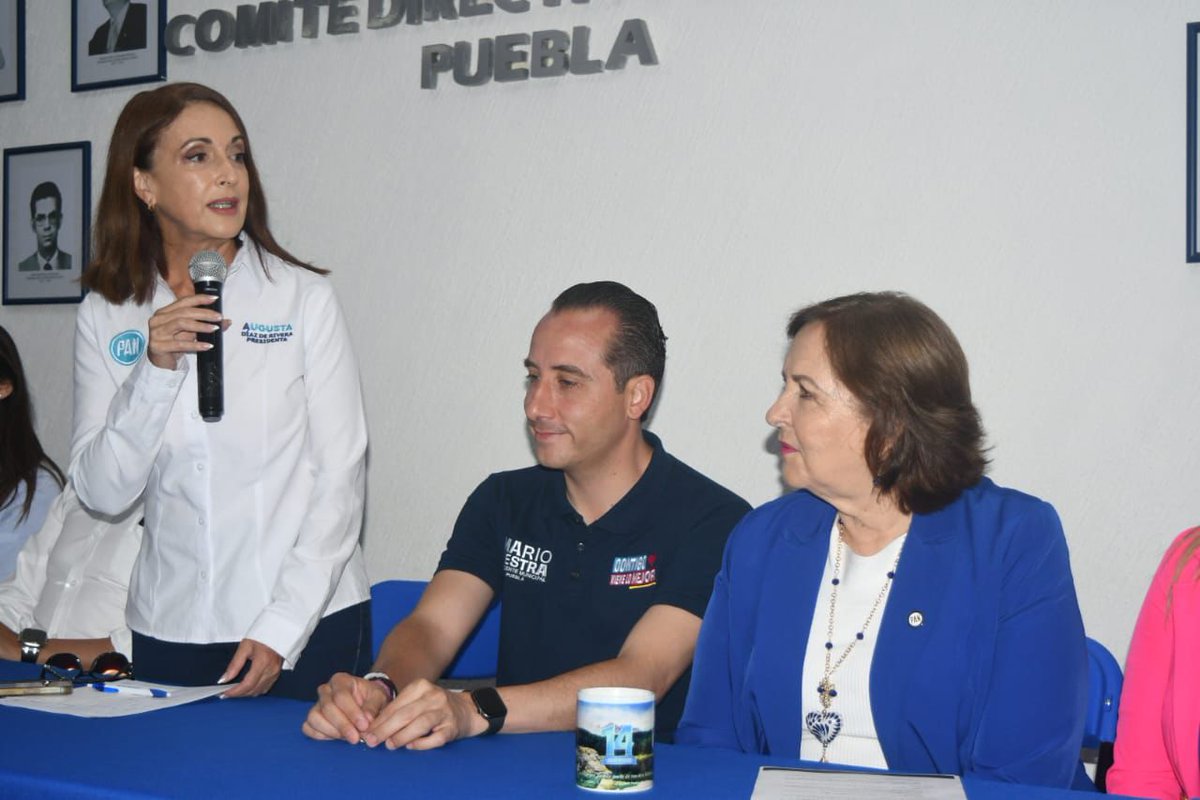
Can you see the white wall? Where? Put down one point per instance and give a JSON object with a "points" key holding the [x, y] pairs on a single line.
{"points": [[1017, 165]]}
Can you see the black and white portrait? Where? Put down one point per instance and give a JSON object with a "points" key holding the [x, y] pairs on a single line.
{"points": [[47, 206], [125, 28], [45, 218], [1193, 142], [117, 42], [12, 50]]}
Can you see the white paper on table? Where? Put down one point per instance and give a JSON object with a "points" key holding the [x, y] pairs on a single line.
{"points": [[797, 783], [85, 701]]}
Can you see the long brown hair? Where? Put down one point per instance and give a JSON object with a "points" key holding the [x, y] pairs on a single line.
{"points": [[127, 247], [21, 454]]}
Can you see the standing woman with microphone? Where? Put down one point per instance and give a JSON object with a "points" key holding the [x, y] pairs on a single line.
{"points": [[250, 569]]}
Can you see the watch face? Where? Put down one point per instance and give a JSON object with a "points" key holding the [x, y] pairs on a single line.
{"points": [[489, 703], [32, 636]]}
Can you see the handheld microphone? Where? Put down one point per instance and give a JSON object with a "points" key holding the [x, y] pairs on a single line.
{"points": [[208, 270]]}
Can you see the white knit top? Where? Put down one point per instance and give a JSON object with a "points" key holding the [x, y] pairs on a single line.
{"points": [[862, 577]]}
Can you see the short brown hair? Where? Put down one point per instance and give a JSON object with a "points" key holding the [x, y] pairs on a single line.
{"points": [[904, 366], [127, 248]]}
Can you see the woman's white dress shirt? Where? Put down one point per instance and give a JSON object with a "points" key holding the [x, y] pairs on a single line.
{"points": [[14, 530], [72, 576], [252, 522]]}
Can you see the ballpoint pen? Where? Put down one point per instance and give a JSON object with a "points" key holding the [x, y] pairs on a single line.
{"points": [[138, 691]]}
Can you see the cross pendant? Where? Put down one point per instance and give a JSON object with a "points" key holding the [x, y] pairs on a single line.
{"points": [[825, 689]]}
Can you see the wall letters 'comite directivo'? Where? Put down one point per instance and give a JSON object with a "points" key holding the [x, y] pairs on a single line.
{"points": [[508, 57]]}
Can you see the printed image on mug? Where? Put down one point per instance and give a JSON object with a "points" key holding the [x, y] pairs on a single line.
{"points": [[614, 739]]}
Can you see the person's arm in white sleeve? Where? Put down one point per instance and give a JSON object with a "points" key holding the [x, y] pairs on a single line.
{"points": [[118, 429], [19, 594], [336, 447]]}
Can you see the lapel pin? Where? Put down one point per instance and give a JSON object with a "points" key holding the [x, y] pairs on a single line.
{"points": [[916, 619]]}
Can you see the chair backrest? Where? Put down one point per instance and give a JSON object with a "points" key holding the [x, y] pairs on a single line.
{"points": [[1104, 699], [480, 653], [1104, 695], [392, 601]]}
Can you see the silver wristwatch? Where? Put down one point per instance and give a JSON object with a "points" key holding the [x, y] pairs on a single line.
{"points": [[31, 640]]}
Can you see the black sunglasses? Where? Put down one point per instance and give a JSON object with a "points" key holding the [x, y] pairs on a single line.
{"points": [[110, 666]]}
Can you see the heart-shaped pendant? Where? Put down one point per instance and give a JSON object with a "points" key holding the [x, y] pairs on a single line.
{"points": [[824, 725]]}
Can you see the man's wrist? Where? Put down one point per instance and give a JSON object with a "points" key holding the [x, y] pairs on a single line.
{"points": [[476, 725]]}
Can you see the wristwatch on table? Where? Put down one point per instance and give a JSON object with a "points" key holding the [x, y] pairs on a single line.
{"points": [[32, 640], [491, 708]]}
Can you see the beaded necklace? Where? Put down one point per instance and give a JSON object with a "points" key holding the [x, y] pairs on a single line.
{"points": [[826, 724]]}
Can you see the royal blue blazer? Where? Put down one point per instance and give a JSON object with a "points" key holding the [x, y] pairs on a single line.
{"points": [[990, 681]]}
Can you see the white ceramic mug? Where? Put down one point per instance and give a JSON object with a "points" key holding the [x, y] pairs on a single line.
{"points": [[614, 739]]}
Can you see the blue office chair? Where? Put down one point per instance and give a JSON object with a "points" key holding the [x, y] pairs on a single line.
{"points": [[1104, 697], [392, 601]]}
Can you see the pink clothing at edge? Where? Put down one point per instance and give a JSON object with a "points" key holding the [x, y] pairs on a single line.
{"points": [[1158, 729]]}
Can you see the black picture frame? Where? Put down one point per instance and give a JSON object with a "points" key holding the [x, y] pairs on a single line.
{"points": [[139, 53], [12, 50], [1193, 163], [68, 168]]}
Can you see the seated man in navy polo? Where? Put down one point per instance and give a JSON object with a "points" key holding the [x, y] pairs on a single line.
{"points": [[603, 555]]}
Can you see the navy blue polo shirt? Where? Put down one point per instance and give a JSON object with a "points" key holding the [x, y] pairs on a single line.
{"points": [[571, 592]]}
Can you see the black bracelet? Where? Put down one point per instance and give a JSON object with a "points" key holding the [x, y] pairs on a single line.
{"points": [[382, 677]]}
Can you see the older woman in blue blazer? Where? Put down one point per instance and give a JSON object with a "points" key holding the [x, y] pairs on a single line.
{"points": [[900, 610]]}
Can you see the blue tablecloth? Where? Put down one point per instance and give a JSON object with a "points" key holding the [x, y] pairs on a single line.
{"points": [[223, 749]]}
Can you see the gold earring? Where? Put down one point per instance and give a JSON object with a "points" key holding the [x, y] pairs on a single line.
{"points": [[150, 206]]}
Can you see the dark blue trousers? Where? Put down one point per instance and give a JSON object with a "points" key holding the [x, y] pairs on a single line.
{"points": [[340, 643]]}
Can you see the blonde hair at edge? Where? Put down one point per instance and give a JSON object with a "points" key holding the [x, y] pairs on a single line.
{"points": [[1190, 544]]}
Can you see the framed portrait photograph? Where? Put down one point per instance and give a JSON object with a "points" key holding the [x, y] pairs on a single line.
{"points": [[117, 43], [1193, 34], [12, 50], [47, 211]]}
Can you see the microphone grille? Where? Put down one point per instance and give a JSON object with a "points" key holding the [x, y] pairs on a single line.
{"points": [[207, 265]]}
